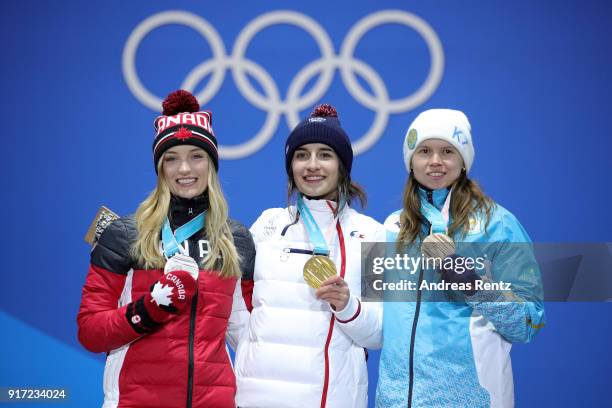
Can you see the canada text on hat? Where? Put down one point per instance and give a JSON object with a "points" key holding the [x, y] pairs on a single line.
{"points": [[200, 119], [182, 123]]}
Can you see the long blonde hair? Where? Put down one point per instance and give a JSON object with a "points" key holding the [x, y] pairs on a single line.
{"points": [[152, 213], [467, 200]]}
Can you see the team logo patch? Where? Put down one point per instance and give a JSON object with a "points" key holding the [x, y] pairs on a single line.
{"points": [[162, 294], [460, 136], [412, 138], [357, 234], [316, 119], [473, 226], [183, 134], [269, 229]]}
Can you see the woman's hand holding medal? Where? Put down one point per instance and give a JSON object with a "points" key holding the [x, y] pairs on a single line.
{"points": [[441, 247], [170, 295], [173, 292], [335, 291]]}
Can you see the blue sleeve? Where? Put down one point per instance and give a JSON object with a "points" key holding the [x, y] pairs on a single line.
{"points": [[517, 315]]}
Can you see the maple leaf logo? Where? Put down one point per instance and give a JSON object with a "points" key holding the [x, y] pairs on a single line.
{"points": [[183, 133], [162, 294]]}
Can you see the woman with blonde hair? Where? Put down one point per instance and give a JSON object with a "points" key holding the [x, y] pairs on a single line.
{"points": [[164, 286], [477, 288]]}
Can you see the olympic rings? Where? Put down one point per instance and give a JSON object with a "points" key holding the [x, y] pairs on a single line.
{"points": [[271, 101]]}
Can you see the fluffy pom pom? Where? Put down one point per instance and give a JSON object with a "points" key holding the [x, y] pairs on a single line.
{"points": [[180, 101], [323, 111]]}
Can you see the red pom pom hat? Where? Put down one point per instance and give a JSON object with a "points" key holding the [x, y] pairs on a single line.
{"points": [[322, 126], [182, 123]]}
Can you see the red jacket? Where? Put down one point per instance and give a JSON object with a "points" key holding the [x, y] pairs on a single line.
{"points": [[182, 363]]}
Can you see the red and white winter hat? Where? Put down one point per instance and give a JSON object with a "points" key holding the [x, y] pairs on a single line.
{"points": [[182, 123]]}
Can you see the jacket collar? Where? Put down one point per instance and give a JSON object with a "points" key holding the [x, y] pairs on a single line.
{"points": [[435, 197], [320, 205], [183, 210]]}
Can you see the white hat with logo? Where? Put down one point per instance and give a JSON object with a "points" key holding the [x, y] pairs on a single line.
{"points": [[449, 125]]}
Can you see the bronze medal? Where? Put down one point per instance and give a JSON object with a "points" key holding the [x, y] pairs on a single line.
{"points": [[318, 269], [438, 245]]}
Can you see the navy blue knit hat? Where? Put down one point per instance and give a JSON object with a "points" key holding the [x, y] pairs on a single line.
{"points": [[322, 126]]}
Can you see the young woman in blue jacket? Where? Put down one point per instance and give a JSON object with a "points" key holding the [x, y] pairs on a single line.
{"points": [[449, 346]]}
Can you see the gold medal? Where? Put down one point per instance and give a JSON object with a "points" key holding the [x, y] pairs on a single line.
{"points": [[438, 245], [317, 270]]}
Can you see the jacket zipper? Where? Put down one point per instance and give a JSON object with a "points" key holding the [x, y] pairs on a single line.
{"points": [[333, 318], [192, 321], [415, 321]]}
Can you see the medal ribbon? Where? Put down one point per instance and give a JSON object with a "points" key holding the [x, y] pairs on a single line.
{"points": [[314, 232], [172, 241], [438, 219]]}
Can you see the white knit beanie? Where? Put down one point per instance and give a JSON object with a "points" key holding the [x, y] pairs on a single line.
{"points": [[449, 125]]}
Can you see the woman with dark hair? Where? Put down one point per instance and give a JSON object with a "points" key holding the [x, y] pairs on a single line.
{"points": [[478, 288], [308, 329], [164, 290]]}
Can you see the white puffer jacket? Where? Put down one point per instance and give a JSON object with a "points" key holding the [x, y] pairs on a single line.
{"points": [[298, 353]]}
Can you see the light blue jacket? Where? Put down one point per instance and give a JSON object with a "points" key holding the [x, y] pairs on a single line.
{"points": [[459, 350]]}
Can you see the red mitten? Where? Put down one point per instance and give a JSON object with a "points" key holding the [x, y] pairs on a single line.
{"points": [[170, 295]]}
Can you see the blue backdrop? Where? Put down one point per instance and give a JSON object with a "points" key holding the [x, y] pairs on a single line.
{"points": [[80, 80]]}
